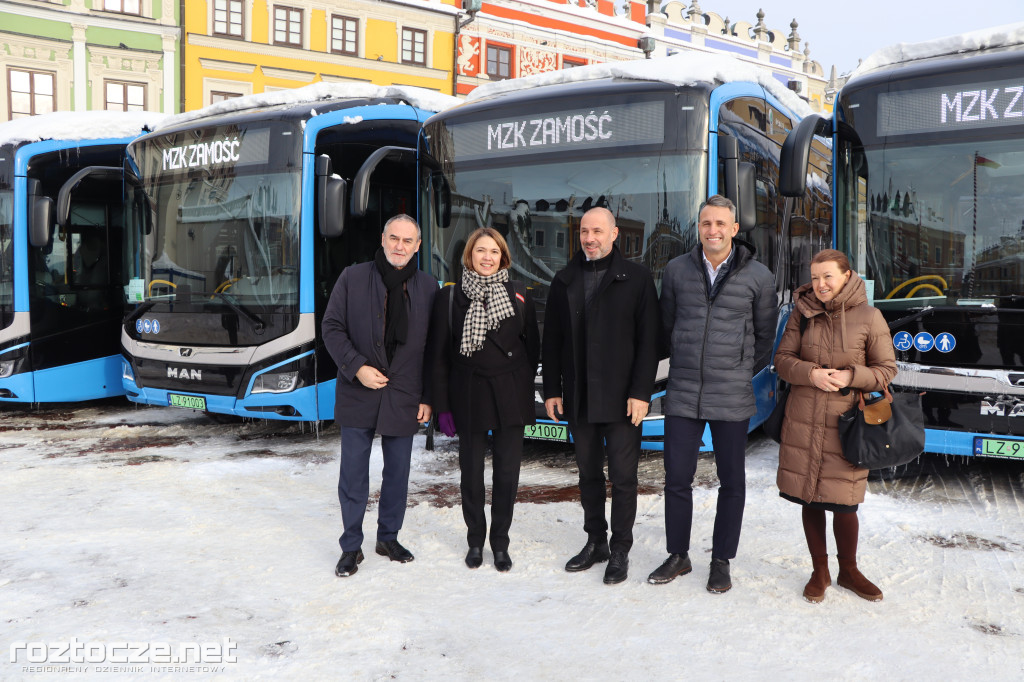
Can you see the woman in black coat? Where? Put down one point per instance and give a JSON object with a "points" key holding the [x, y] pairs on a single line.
{"points": [[483, 352]]}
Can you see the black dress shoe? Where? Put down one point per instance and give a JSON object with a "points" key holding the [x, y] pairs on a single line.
{"points": [[502, 561], [592, 553], [675, 565], [474, 557], [618, 568], [718, 579], [348, 563], [394, 551]]}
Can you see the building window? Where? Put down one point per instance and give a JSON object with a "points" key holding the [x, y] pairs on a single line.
{"points": [[30, 93], [568, 63], [287, 26], [560, 240], [345, 35], [119, 96], [218, 96], [499, 61], [123, 6], [228, 18], [414, 46], [538, 238]]}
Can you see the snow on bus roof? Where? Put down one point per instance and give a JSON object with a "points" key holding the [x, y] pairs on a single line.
{"points": [[1007, 35], [422, 98], [78, 125], [688, 68]]}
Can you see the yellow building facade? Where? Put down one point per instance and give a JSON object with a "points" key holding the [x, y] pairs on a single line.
{"points": [[242, 47]]}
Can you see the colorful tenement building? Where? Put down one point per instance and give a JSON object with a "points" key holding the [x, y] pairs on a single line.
{"points": [[141, 54]]}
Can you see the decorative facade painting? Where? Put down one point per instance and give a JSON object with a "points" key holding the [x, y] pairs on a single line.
{"points": [[469, 55], [533, 61]]}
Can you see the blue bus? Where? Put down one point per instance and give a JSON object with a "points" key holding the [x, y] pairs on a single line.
{"points": [[61, 237], [929, 164], [241, 217], [650, 141]]}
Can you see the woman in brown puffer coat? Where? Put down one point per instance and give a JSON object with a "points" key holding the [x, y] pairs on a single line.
{"points": [[845, 345]]}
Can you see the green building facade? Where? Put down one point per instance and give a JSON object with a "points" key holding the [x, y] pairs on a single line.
{"points": [[89, 55]]}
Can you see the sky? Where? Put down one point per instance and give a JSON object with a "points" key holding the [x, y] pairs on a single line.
{"points": [[842, 33], [151, 526]]}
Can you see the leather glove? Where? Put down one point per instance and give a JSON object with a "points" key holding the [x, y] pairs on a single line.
{"points": [[446, 422]]}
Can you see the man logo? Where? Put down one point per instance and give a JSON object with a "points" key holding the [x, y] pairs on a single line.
{"points": [[185, 373], [185, 352]]}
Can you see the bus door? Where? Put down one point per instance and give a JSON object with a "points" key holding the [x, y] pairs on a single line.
{"points": [[75, 282]]}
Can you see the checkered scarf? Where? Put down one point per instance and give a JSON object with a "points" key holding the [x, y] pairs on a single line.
{"points": [[489, 304]]}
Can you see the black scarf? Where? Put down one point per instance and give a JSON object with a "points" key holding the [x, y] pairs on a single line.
{"points": [[396, 318]]}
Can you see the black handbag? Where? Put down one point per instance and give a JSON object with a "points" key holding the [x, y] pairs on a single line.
{"points": [[772, 426], [873, 439]]}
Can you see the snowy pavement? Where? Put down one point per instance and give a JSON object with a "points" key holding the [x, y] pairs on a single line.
{"points": [[155, 526]]}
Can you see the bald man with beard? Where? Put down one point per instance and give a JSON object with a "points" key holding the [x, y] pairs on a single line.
{"points": [[600, 356]]}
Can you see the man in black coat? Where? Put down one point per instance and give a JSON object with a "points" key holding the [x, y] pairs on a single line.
{"points": [[599, 359], [719, 312], [375, 328]]}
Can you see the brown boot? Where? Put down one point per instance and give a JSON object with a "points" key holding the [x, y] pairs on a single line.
{"points": [[814, 591], [852, 579]]}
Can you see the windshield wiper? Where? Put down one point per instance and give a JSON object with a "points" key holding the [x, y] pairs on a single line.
{"points": [[139, 311], [257, 324]]}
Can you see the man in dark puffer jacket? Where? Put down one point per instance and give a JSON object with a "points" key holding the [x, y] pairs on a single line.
{"points": [[719, 310]]}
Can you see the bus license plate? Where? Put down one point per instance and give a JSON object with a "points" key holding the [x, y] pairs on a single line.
{"points": [[999, 447], [557, 432], [193, 402]]}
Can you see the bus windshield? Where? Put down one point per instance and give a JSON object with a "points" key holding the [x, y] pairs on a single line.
{"points": [[537, 207], [944, 222], [233, 237], [214, 228], [6, 257]]}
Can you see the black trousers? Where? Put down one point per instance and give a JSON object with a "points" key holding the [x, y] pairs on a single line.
{"points": [[505, 463], [682, 444], [620, 442]]}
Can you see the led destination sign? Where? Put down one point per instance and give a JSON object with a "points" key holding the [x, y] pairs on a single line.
{"points": [[599, 127], [234, 148], [959, 107]]}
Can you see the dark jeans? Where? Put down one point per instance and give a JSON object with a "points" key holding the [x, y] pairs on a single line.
{"points": [[354, 485], [682, 444], [620, 441], [505, 463]]}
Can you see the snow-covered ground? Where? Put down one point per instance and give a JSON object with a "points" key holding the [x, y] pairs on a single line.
{"points": [[155, 526]]}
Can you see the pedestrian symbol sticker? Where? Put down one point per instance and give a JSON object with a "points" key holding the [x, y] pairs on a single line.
{"points": [[924, 341], [902, 340], [945, 342]]}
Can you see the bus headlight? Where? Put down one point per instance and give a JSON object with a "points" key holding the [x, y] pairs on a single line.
{"points": [[6, 368], [275, 382]]}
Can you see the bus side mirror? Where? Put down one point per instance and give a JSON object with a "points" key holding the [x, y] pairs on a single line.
{"points": [[330, 198], [111, 173], [746, 207], [41, 226], [737, 181], [796, 154], [443, 205]]}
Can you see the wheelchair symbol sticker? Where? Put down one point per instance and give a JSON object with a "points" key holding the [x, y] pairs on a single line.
{"points": [[902, 340], [138, 326], [945, 342], [924, 341]]}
